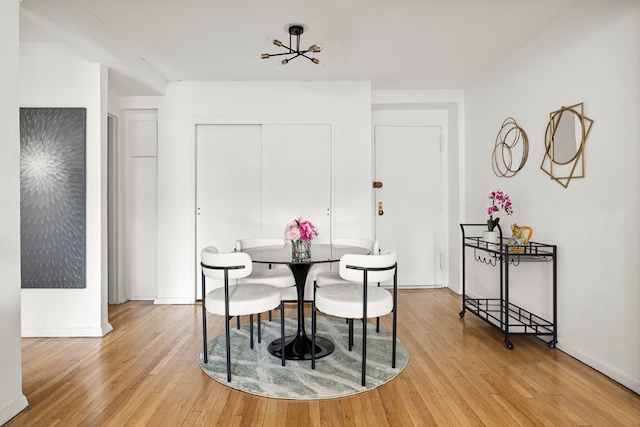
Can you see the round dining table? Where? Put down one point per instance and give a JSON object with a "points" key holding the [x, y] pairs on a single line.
{"points": [[298, 346]]}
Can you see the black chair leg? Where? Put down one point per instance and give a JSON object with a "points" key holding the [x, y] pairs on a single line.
{"points": [[377, 324], [364, 352], [313, 335], [228, 342], [350, 333], [269, 315], [259, 331], [251, 330], [281, 331], [205, 352], [238, 318]]}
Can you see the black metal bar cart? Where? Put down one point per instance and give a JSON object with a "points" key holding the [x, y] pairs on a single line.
{"points": [[499, 312]]}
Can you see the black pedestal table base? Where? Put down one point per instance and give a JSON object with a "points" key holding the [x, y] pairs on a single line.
{"points": [[298, 347]]}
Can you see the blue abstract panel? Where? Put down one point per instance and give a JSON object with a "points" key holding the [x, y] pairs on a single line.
{"points": [[52, 197]]}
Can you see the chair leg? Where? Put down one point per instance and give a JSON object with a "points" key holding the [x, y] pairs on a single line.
{"points": [[204, 333], [269, 315], [364, 352], [259, 331], [377, 324], [393, 357], [251, 330], [205, 352], [281, 331], [228, 342], [313, 334], [350, 333], [238, 318]]}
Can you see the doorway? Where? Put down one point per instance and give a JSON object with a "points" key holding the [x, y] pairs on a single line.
{"points": [[408, 200]]}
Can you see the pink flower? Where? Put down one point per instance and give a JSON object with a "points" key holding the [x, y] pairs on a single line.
{"points": [[500, 200], [301, 230]]}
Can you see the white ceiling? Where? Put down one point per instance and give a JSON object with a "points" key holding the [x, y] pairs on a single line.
{"points": [[426, 44]]}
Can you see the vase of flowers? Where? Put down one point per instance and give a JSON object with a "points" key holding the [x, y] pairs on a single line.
{"points": [[300, 233], [499, 200]]}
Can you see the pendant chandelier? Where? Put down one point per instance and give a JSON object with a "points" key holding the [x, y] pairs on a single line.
{"points": [[293, 50]]}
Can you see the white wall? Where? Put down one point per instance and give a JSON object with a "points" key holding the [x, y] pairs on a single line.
{"points": [[12, 401], [589, 55], [349, 103], [52, 75]]}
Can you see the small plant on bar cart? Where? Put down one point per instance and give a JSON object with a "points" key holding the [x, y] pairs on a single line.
{"points": [[499, 200]]}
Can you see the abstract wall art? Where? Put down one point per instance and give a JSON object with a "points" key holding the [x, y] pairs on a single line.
{"points": [[53, 197]]}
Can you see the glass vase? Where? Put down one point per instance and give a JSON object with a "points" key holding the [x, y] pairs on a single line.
{"points": [[301, 251]]}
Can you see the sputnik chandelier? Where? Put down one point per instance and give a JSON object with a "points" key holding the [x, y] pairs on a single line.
{"points": [[295, 31]]}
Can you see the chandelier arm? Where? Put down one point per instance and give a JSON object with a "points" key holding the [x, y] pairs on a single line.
{"points": [[280, 54]]}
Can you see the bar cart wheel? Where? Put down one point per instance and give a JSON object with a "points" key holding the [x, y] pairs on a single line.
{"points": [[462, 313], [509, 344], [552, 344]]}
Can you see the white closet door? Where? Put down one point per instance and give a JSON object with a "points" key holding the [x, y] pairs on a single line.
{"points": [[296, 177], [228, 186]]}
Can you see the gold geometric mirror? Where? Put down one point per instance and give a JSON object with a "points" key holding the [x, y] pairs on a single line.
{"points": [[565, 139]]}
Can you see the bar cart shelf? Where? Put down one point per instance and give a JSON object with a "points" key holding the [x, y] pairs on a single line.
{"points": [[499, 312]]}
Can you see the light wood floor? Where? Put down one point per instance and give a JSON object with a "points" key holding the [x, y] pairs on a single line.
{"points": [[145, 372]]}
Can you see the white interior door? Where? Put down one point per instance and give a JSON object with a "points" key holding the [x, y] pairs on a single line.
{"points": [[228, 186], [408, 162], [296, 177]]}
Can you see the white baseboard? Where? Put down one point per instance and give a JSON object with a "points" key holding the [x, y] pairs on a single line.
{"points": [[13, 409], [65, 332], [618, 376], [173, 301]]}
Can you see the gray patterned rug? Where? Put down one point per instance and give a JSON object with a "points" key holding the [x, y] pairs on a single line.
{"points": [[256, 371]]}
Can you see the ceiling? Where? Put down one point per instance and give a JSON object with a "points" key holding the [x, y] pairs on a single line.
{"points": [[395, 44]]}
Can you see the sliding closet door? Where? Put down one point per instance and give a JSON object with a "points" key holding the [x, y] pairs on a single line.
{"points": [[228, 186], [296, 177]]}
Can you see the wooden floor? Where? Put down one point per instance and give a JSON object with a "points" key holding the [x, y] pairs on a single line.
{"points": [[146, 372]]}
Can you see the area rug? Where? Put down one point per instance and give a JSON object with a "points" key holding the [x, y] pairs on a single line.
{"points": [[258, 372]]}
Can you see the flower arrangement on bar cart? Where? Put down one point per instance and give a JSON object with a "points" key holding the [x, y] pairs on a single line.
{"points": [[499, 200], [300, 232]]}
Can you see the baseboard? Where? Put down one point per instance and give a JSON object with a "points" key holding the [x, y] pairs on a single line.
{"points": [[65, 332], [173, 301], [411, 287], [13, 409], [616, 375], [106, 329]]}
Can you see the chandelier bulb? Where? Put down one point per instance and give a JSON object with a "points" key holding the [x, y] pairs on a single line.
{"points": [[264, 56], [284, 62], [277, 42], [315, 61]]}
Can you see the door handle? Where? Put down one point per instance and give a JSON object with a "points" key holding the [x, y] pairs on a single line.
{"points": [[380, 211]]}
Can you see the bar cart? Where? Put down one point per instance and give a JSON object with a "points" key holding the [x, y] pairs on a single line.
{"points": [[499, 312]]}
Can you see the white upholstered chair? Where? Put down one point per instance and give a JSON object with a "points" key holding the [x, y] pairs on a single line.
{"points": [[278, 276], [331, 277], [231, 299], [358, 300]]}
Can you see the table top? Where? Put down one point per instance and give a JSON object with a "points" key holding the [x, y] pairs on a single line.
{"points": [[320, 252]]}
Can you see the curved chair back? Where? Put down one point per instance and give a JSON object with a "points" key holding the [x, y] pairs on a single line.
{"points": [[361, 243], [258, 242], [215, 264], [379, 268]]}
